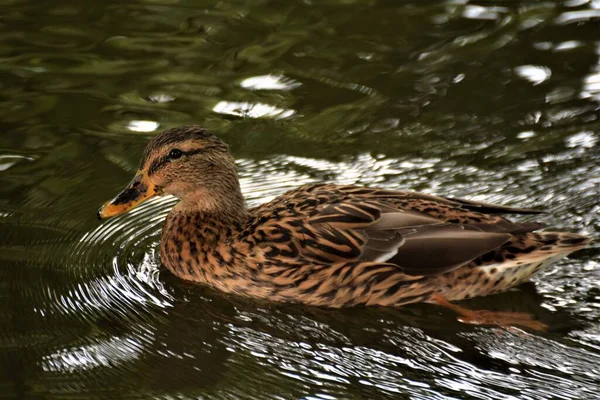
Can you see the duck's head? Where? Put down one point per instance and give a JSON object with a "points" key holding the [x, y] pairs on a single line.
{"points": [[187, 162]]}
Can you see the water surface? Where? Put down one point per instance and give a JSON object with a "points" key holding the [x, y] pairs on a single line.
{"points": [[491, 100]]}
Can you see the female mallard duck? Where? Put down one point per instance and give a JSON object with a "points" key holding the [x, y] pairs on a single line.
{"points": [[330, 245]]}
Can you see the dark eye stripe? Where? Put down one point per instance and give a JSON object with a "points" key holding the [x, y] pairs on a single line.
{"points": [[164, 160], [157, 164], [195, 151]]}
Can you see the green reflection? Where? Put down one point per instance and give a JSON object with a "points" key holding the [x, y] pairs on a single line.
{"points": [[424, 95]]}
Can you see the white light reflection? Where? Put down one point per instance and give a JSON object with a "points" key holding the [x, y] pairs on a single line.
{"points": [[269, 82], [568, 45], [526, 135], [591, 83], [575, 3], [252, 110], [143, 126], [162, 98], [485, 13], [582, 139], [577, 16], [533, 73], [542, 45], [591, 87], [7, 161]]}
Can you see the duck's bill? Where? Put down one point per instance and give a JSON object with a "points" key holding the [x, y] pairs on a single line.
{"points": [[139, 190]]}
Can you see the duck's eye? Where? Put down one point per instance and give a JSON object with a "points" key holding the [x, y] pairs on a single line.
{"points": [[175, 154]]}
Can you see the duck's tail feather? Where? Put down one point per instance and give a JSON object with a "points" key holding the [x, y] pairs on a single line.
{"points": [[531, 247]]}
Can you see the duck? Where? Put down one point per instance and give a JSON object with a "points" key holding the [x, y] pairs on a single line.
{"points": [[332, 245]]}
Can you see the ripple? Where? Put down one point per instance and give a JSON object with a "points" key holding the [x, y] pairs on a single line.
{"points": [[115, 278], [105, 354]]}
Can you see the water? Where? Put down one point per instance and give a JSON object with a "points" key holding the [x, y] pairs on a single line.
{"points": [[491, 100]]}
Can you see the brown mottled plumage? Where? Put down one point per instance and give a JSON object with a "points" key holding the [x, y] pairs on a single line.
{"points": [[330, 245]]}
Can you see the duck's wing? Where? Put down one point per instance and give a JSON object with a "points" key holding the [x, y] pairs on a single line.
{"points": [[416, 242], [420, 233], [491, 208]]}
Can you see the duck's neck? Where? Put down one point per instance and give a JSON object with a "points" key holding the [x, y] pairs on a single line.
{"points": [[194, 243], [223, 203]]}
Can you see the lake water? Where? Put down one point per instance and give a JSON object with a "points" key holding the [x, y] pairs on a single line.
{"points": [[490, 100]]}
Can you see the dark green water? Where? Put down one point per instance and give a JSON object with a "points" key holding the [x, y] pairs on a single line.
{"points": [[492, 100]]}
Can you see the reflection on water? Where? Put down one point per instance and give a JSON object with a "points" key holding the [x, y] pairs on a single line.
{"points": [[491, 100], [251, 110]]}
